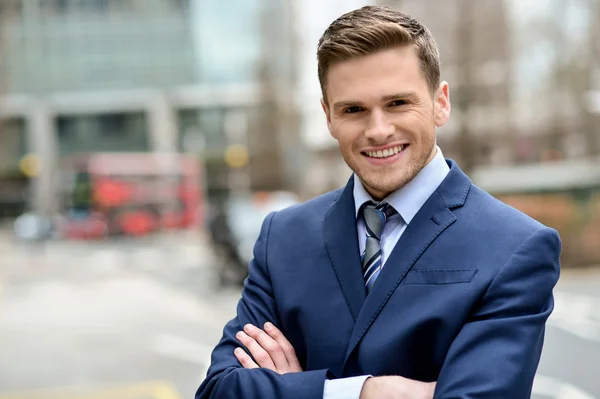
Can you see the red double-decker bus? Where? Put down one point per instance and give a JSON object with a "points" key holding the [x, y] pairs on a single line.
{"points": [[134, 194]]}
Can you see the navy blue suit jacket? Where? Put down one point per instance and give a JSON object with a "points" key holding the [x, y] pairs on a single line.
{"points": [[462, 300]]}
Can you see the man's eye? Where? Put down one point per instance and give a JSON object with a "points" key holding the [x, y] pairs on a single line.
{"points": [[352, 110], [398, 103]]}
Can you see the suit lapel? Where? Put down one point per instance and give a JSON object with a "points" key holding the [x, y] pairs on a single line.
{"points": [[431, 220], [342, 246]]}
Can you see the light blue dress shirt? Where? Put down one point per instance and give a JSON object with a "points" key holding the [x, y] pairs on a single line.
{"points": [[406, 201]]}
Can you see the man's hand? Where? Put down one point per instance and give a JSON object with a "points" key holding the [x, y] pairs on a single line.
{"points": [[270, 349], [395, 387]]}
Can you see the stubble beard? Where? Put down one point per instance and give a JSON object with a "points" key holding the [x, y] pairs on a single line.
{"points": [[388, 181]]}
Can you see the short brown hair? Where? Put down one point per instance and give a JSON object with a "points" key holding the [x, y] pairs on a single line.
{"points": [[373, 28]]}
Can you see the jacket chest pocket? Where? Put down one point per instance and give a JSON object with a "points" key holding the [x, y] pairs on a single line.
{"points": [[439, 276]]}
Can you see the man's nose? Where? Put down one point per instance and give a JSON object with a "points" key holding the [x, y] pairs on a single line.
{"points": [[380, 127]]}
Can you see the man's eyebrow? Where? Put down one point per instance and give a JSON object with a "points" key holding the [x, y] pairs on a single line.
{"points": [[386, 98], [347, 103], [396, 96]]}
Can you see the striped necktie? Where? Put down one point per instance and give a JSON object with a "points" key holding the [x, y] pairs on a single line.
{"points": [[375, 218]]}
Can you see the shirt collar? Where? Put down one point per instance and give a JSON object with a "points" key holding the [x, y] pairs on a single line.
{"points": [[408, 199]]}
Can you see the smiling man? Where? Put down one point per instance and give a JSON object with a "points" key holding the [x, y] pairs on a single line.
{"points": [[410, 282]]}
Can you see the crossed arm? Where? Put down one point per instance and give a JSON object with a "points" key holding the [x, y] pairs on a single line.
{"points": [[273, 351], [495, 355]]}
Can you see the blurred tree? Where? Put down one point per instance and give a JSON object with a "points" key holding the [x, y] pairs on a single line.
{"points": [[590, 66], [573, 130]]}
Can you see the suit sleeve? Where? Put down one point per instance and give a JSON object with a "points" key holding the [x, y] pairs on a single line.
{"points": [[226, 378], [497, 352]]}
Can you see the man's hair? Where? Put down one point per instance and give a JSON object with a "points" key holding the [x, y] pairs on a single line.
{"points": [[370, 29]]}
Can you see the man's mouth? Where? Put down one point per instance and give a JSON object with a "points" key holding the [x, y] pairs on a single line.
{"points": [[387, 153]]}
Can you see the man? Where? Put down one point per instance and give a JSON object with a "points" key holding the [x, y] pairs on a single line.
{"points": [[410, 282]]}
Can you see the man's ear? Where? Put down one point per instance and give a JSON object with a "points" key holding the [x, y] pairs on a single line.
{"points": [[442, 105], [328, 116]]}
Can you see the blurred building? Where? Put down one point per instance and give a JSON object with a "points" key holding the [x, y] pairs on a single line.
{"points": [[81, 76], [235, 83]]}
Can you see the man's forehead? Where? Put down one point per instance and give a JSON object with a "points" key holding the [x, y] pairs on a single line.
{"points": [[407, 53], [375, 74]]}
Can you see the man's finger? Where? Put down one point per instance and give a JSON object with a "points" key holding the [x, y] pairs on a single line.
{"points": [[245, 360], [271, 346], [286, 346], [261, 357]]}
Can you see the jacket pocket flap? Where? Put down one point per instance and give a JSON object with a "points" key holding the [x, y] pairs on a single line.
{"points": [[439, 276]]}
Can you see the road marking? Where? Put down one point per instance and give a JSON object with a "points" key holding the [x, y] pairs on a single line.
{"points": [[557, 389], [146, 390], [577, 314]]}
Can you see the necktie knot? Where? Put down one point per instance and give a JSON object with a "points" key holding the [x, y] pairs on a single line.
{"points": [[375, 217]]}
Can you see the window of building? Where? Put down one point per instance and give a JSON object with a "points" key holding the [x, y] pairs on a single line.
{"points": [[13, 145], [203, 128], [124, 132], [72, 6], [237, 25], [10, 9], [101, 6]]}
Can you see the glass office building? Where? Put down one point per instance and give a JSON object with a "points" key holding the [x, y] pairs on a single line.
{"points": [[133, 76]]}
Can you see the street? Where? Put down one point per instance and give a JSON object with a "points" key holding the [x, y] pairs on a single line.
{"points": [[92, 320], [569, 368], [138, 319]]}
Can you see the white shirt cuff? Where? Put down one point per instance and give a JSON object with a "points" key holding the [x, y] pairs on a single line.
{"points": [[344, 388]]}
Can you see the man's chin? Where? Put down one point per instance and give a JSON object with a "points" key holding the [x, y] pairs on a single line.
{"points": [[387, 182], [379, 188]]}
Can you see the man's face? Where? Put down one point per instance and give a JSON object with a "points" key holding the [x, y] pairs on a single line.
{"points": [[383, 115]]}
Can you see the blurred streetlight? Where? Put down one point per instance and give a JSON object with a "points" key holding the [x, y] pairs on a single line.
{"points": [[30, 165], [236, 156]]}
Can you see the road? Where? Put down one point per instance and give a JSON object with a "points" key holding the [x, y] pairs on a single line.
{"points": [[570, 364], [133, 320], [108, 321]]}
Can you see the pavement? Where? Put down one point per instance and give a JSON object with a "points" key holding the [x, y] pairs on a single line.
{"points": [[135, 319]]}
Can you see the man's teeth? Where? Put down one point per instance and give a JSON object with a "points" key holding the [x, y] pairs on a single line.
{"points": [[385, 153]]}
